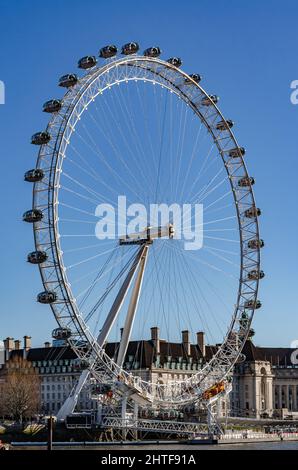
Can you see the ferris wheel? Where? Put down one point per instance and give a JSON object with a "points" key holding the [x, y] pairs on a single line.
{"points": [[136, 128]]}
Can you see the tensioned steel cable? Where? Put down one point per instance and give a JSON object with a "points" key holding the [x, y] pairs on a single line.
{"points": [[108, 290]]}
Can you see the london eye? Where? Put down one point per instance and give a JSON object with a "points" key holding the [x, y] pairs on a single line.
{"points": [[134, 127]]}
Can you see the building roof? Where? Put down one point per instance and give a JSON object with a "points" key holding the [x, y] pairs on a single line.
{"points": [[46, 354], [143, 353], [276, 356]]}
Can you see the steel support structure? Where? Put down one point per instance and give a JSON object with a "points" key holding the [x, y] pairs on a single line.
{"points": [[47, 237]]}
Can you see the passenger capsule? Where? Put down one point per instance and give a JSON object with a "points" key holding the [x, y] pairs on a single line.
{"points": [[255, 244], [32, 176], [47, 297], [52, 106], [251, 333], [224, 125], [246, 181], [195, 77], [252, 212], [61, 333], [244, 319], [176, 61], [255, 274], [100, 389], [68, 80], [251, 304], [237, 152], [152, 52], [130, 48], [108, 51], [40, 138], [33, 215], [209, 100], [37, 257], [87, 62]]}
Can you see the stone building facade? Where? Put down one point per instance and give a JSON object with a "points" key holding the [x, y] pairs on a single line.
{"points": [[265, 384]]}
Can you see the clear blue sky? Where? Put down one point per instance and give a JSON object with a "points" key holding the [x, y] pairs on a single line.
{"points": [[246, 52]]}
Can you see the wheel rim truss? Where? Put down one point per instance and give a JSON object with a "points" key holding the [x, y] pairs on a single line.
{"points": [[46, 231]]}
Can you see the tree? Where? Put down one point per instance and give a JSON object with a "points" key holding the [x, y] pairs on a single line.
{"points": [[19, 389]]}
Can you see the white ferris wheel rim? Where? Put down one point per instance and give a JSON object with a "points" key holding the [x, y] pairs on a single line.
{"points": [[46, 197]]}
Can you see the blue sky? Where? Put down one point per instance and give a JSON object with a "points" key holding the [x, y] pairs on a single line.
{"points": [[246, 54]]}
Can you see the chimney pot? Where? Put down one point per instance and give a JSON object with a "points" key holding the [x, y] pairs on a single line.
{"points": [[17, 344], [47, 344]]}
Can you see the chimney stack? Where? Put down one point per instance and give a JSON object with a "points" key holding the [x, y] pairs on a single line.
{"points": [[8, 344], [27, 343], [8, 347], [186, 342], [17, 344], [155, 339], [47, 344], [201, 342]]}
